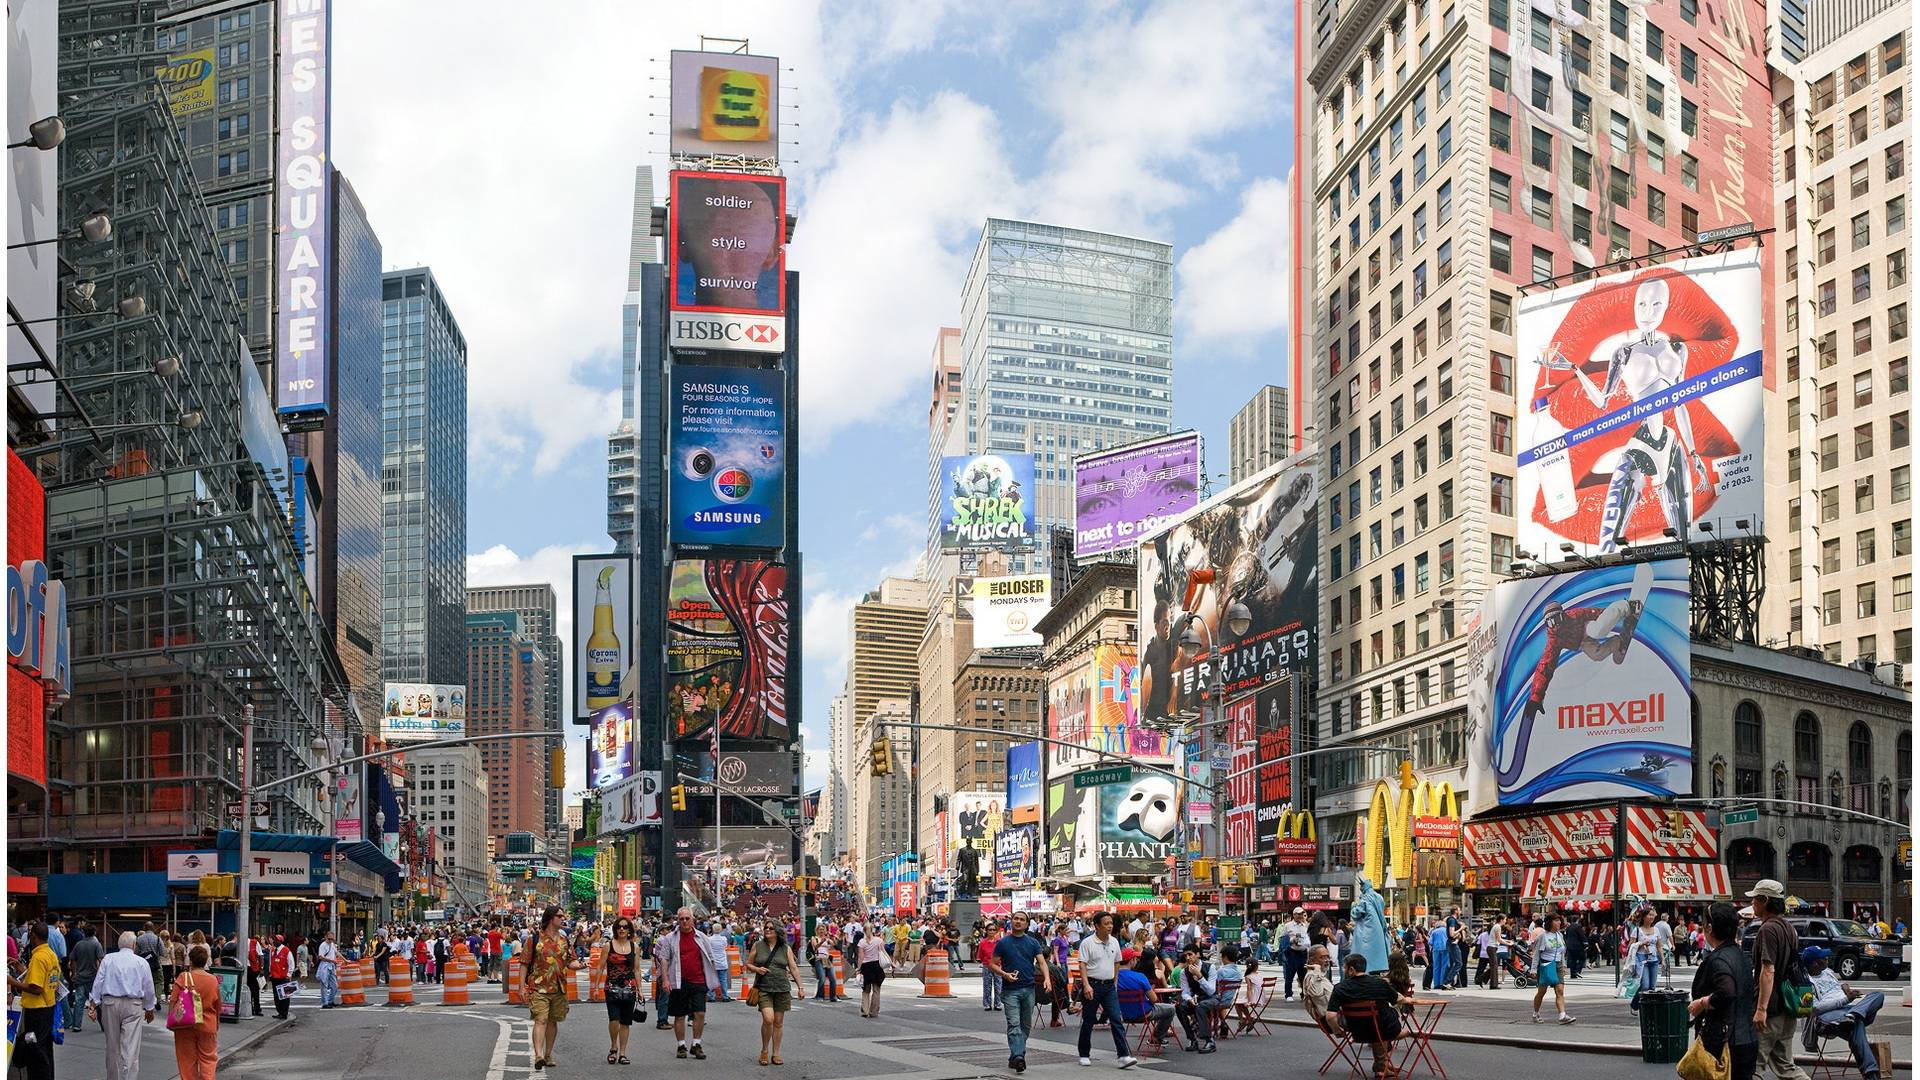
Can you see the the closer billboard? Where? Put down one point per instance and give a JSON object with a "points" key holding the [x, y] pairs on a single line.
{"points": [[986, 503], [303, 250], [1255, 545], [418, 711], [1589, 686], [726, 262], [1125, 493], [729, 447], [1005, 610], [1643, 406], [725, 104], [602, 630], [728, 636]]}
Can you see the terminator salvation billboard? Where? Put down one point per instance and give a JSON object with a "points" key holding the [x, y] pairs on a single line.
{"points": [[1643, 409], [1255, 545], [726, 262], [728, 632], [1589, 687], [1128, 492]]}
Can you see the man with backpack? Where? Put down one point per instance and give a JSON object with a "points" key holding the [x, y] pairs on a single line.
{"points": [[1776, 963]]}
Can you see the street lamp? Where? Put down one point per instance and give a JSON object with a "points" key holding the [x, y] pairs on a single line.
{"points": [[43, 134]]}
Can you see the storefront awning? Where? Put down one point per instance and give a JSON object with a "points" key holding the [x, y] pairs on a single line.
{"points": [[269, 841], [367, 854], [1560, 884], [1643, 879]]}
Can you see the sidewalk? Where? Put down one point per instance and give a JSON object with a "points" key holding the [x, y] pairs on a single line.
{"points": [[85, 1051], [1606, 1025]]}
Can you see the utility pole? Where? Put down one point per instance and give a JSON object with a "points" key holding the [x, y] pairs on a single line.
{"points": [[243, 890]]}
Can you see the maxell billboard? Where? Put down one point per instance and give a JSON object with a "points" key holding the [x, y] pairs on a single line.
{"points": [[1643, 409], [726, 262], [1128, 492], [1590, 691], [304, 218]]}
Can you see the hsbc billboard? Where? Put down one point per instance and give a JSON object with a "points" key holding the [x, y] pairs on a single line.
{"points": [[739, 333], [726, 262]]}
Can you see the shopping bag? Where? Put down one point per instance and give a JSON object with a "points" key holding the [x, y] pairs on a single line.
{"points": [[1697, 1064], [1883, 1051], [1630, 987], [185, 1010], [59, 1021]]}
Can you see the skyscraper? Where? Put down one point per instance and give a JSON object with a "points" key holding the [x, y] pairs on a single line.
{"points": [[1257, 434], [882, 663], [509, 676], [424, 483], [537, 609], [1066, 346], [633, 440]]}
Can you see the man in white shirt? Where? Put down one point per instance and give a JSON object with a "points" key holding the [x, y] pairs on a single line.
{"points": [[327, 969], [1134, 927], [121, 999], [1293, 958], [1099, 992]]}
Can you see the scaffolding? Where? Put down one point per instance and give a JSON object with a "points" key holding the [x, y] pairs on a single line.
{"points": [[185, 589]]}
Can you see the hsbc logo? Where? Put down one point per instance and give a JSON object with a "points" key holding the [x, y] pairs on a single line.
{"points": [[764, 335], [741, 333]]}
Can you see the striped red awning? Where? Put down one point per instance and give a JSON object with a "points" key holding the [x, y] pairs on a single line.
{"points": [[1651, 879], [1561, 884]]}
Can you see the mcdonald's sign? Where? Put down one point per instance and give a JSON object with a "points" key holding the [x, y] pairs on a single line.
{"points": [[1296, 843], [1396, 827]]}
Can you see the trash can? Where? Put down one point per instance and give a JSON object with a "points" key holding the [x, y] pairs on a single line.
{"points": [[1663, 1026]]}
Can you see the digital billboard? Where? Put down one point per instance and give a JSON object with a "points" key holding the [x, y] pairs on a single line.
{"points": [[751, 850], [1139, 825], [1590, 691], [303, 247], [1015, 857], [602, 630], [419, 711], [726, 262], [1005, 610], [1023, 783], [978, 817], [987, 503], [1125, 493], [753, 773], [1097, 711], [724, 104], [729, 446], [1256, 545], [631, 803], [1643, 407], [187, 80], [610, 749], [1243, 793], [728, 634]]}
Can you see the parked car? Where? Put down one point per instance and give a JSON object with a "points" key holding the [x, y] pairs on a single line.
{"points": [[1855, 948]]}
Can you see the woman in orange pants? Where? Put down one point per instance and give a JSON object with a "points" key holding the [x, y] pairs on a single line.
{"points": [[196, 1050]]}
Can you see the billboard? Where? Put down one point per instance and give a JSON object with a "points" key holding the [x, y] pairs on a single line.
{"points": [[602, 630], [187, 80], [631, 803], [987, 503], [1257, 545], [1273, 736], [728, 633], [1099, 711], [1139, 825], [729, 480], [627, 898], [1073, 829], [753, 850], [1023, 783], [33, 269], [1015, 857], [1643, 408], [610, 749], [1128, 492], [726, 262], [725, 104], [1590, 689], [1005, 610], [418, 711], [759, 774], [349, 794], [1243, 794], [39, 640], [978, 817], [304, 216]]}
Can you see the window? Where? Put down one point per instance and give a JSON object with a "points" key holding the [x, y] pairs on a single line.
{"points": [[1857, 126], [1500, 320], [1500, 71], [1903, 592], [1542, 90], [1542, 148], [1656, 153], [1901, 484], [1617, 131], [1893, 54], [1689, 65], [1862, 230], [1823, 145], [1444, 148], [1896, 214], [1582, 54], [1499, 129], [1443, 84], [1857, 74], [1902, 539], [1656, 206], [1617, 74], [1862, 282], [1582, 111], [1862, 337], [1656, 97], [1827, 248], [1542, 264], [1617, 18], [1897, 375], [1897, 323], [1862, 395], [1863, 548], [1501, 500], [1897, 435], [1502, 436], [1501, 255], [1689, 171], [1896, 161]]}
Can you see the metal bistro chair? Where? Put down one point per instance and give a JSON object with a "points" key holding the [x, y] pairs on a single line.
{"points": [[1218, 1008], [1343, 1050], [1827, 1066], [1252, 1011], [1365, 1013]]}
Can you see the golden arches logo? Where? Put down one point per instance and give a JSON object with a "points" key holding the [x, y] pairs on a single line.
{"points": [[1297, 825], [1389, 840]]}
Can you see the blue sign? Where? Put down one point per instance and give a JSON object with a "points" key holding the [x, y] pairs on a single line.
{"points": [[1023, 782], [729, 457]]}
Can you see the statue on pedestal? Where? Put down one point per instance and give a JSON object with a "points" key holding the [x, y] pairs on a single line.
{"points": [[1369, 936]]}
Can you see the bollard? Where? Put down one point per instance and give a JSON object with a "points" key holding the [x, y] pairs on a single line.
{"points": [[453, 983], [350, 975], [936, 983], [399, 983], [516, 981], [839, 973], [734, 971]]}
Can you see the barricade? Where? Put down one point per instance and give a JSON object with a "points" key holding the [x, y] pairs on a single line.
{"points": [[597, 974], [580, 985], [399, 983], [473, 970], [839, 973], [454, 982], [351, 976], [516, 984], [733, 965], [1073, 970], [936, 980]]}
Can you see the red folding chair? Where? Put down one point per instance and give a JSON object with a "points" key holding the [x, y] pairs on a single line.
{"points": [[1364, 1015], [1144, 1043], [1225, 993], [1252, 1012], [1343, 1049]]}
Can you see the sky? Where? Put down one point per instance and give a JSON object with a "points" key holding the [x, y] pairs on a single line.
{"points": [[500, 152]]}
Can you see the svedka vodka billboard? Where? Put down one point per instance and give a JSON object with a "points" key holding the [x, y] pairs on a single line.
{"points": [[304, 222]]}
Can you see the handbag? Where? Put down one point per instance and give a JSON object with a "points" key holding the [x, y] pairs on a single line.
{"points": [[753, 996], [1698, 1064], [1629, 987], [186, 1010]]}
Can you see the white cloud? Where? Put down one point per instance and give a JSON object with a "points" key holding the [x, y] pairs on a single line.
{"points": [[1233, 286], [828, 634]]}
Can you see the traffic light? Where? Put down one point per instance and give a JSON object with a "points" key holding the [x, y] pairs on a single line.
{"points": [[882, 757], [1202, 869], [557, 767], [1243, 873], [679, 796]]}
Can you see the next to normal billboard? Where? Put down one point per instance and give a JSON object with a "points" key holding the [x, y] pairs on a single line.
{"points": [[1130, 492]]}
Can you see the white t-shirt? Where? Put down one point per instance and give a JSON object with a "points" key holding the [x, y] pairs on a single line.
{"points": [[1101, 959]]}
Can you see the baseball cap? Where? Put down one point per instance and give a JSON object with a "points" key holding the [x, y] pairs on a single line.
{"points": [[1299, 911], [1814, 952], [1770, 888]]}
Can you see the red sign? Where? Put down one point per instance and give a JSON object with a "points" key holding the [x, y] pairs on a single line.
{"points": [[1569, 836], [1436, 833], [629, 898], [36, 633], [1657, 880], [1291, 852], [906, 896]]}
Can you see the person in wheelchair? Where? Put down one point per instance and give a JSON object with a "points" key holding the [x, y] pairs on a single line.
{"points": [[1840, 1011]]}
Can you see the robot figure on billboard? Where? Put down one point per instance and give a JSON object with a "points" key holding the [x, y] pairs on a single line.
{"points": [[1369, 937], [1660, 455], [1595, 632]]}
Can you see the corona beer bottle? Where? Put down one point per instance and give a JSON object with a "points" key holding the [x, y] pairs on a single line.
{"points": [[603, 648]]}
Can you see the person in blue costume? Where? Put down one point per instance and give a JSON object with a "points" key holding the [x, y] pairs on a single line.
{"points": [[1369, 935]]}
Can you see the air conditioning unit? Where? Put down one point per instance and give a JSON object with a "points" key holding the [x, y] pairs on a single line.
{"points": [[1891, 674]]}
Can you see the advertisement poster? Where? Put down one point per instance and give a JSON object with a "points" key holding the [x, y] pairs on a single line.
{"points": [[729, 456], [610, 750], [631, 803], [1005, 610], [1258, 543], [602, 630], [420, 711], [726, 262], [754, 851], [1643, 407], [1128, 492], [303, 273], [1591, 695], [724, 103], [1242, 785], [1100, 711], [754, 773], [1069, 721], [1013, 857], [1273, 777], [1073, 829], [188, 83], [627, 898], [978, 817], [727, 640], [987, 503], [1023, 783], [350, 804], [1139, 825]]}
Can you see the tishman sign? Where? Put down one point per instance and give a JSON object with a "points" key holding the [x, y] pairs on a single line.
{"points": [[305, 212]]}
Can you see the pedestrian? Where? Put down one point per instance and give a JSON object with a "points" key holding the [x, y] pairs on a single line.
{"points": [[83, 964], [196, 1046], [1645, 958], [1549, 949], [621, 977], [1723, 1004], [1441, 951], [281, 975], [121, 998], [820, 954], [1358, 987], [685, 967], [1776, 951], [40, 991], [1196, 988], [1013, 961], [1576, 948], [716, 945], [1100, 990], [256, 968], [873, 973], [772, 963], [327, 969], [988, 937], [1293, 959], [550, 958]]}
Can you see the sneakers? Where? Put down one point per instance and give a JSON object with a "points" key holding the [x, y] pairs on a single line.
{"points": [[1086, 1063], [1536, 1018], [1209, 1047], [680, 1052], [1129, 1062], [698, 1051], [1565, 1019], [1018, 1064]]}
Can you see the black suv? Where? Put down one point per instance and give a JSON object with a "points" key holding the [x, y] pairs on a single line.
{"points": [[1854, 947]]}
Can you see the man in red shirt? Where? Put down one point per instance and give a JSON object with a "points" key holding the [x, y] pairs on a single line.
{"points": [[490, 955], [682, 964], [1598, 633]]}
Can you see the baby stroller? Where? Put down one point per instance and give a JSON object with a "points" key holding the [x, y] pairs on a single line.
{"points": [[1520, 964]]}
